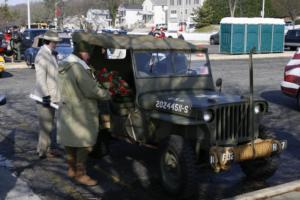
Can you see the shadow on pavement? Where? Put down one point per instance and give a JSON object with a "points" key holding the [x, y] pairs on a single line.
{"points": [[6, 74], [8, 181], [130, 172], [277, 97]]}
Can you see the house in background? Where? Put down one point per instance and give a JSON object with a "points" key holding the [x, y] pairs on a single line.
{"points": [[154, 12], [73, 22], [181, 12], [99, 19], [128, 15]]}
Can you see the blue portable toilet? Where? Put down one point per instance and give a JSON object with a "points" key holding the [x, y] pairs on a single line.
{"points": [[238, 38], [278, 38], [232, 33], [240, 35], [266, 32], [225, 37], [252, 38]]}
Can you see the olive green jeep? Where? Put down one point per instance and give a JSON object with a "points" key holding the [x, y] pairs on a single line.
{"points": [[174, 105]]}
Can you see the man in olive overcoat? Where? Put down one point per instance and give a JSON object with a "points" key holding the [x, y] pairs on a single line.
{"points": [[78, 118]]}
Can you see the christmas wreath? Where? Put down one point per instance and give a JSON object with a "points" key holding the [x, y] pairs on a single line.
{"points": [[112, 81]]}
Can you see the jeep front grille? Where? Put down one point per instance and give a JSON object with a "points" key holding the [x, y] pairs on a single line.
{"points": [[232, 124]]}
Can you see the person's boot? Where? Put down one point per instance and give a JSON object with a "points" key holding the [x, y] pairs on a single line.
{"points": [[101, 148], [71, 168], [81, 176]]}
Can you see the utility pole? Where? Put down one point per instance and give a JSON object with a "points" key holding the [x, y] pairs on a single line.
{"points": [[28, 14], [263, 9]]}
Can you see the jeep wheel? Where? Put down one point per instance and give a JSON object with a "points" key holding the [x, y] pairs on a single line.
{"points": [[178, 167], [261, 169]]}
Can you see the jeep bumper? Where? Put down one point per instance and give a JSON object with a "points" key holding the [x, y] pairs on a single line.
{"points": [[221, 157]]}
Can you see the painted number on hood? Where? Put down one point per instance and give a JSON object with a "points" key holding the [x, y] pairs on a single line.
{"points": [[176, 107]]}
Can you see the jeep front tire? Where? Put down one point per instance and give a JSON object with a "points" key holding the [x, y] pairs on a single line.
{"points": [[178, 166], [263, 168]]}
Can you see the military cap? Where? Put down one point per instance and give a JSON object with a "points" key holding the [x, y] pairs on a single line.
{"points": [[83, 47]]}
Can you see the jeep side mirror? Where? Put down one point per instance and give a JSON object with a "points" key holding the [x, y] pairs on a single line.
{"points": [[2, 100], [219, 84]]}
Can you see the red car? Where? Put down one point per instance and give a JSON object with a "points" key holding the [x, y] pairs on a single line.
{"points": [[291, 83]]}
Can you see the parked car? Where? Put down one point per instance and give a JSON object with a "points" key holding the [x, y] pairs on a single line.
{"points": [[28, 36], [63, 48], [2, 68], [214, 38], [2, 99], [171, 102], [291, 80], [3, 44], [292, 39], [114, 31], [289, 25]]}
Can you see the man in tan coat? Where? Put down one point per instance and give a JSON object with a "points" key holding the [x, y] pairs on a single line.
{"points": [[78, 115], [46, 68]]}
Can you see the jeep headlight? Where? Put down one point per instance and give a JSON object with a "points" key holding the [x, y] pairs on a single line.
{"points": [[208, 115], [258, 108]]}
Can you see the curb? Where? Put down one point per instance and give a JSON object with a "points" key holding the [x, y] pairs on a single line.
{"points": [[268, 192], [246, 56], [19, 65]]}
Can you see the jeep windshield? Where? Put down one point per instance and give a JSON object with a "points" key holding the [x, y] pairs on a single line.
{"points": [[170, 63]]}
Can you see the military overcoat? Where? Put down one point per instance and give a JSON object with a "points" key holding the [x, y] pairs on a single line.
{"points": [[78, 114]]}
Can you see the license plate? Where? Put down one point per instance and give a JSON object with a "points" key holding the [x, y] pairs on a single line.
{"points": [[283, 144]]}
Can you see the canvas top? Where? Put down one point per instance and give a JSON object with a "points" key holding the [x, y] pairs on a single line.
{"points": [[135, 42]]}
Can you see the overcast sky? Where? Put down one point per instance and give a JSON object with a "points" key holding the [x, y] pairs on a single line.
{"points": [[15, 2]]}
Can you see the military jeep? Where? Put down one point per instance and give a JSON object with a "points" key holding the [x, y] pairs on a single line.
{"points": [[176, 107]]}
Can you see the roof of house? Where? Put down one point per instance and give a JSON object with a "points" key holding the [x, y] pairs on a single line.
{"points": [[136, 42], [98, 11], [159, 2], [132, 6]]}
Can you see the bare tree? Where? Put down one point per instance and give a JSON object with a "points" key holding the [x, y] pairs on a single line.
{"points": [[44, 10], [112, 6], [5, 15], [289, 8], [232, 6]]}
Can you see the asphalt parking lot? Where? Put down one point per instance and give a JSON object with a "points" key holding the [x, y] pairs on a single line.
{"points": [[130, 172]]}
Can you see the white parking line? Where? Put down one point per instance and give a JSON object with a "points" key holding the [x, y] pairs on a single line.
{"points": [[15, 65]]}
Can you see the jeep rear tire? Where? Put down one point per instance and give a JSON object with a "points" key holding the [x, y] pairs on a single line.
{"points": [[178, 167], [263, 168]]}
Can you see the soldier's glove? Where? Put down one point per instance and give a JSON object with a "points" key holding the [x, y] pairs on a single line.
{"points": [[46, 101]]}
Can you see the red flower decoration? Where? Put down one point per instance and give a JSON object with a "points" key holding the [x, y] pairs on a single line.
{"points": [[113, 82]]}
